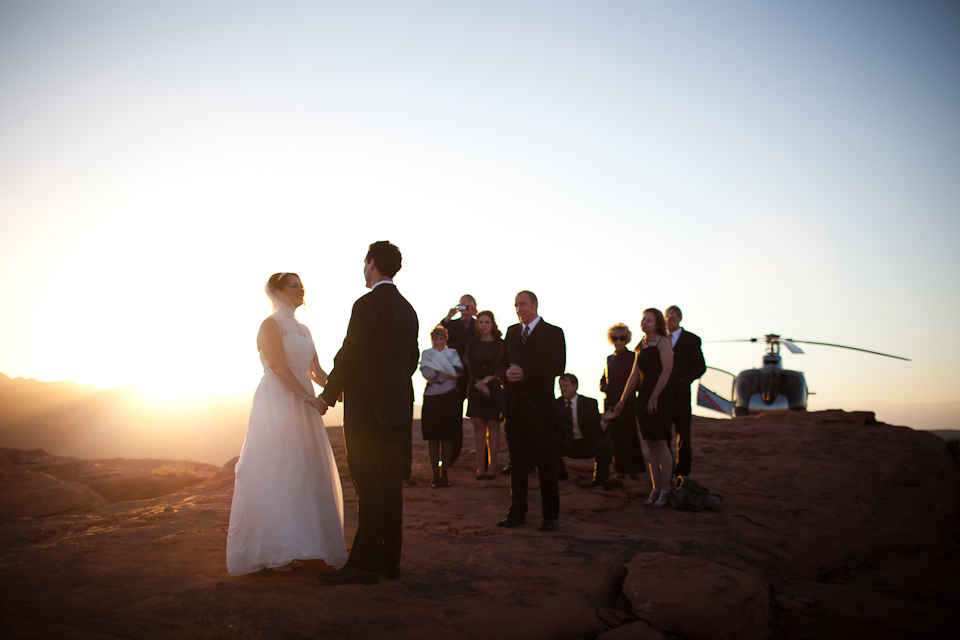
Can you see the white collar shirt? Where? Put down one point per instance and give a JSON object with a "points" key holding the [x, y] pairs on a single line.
{"points": [[532, 325], [675, 336], [377, 284]]}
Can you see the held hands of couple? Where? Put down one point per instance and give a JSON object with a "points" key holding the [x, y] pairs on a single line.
{"points": [[317, 403], [482, 387], [515, 374], [652, 405]]}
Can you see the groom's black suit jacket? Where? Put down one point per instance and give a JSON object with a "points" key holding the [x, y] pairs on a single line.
{"points": [[375, 363], [542, 359]]}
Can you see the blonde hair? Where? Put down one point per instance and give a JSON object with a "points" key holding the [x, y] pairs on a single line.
{"points": [[619, 328]]}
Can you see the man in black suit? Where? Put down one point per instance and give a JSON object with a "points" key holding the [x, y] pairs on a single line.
{"points": [[460, 330], [688, 365], [459, 333], [373, 370], [584, 431], [533, 355]]}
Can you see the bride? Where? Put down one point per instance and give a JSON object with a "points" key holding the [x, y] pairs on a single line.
{"points": [[287, 501]]}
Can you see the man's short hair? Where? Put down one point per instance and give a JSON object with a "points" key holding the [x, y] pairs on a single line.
{"points": [[674, 307], [467, 295], [533, 296], [386, 257], [572, 379]]}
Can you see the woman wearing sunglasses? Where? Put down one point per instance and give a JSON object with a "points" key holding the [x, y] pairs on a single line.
{"points": [[627, 454]]}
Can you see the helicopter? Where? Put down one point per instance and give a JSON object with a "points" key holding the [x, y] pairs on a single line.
{"points": [[771, 387]]}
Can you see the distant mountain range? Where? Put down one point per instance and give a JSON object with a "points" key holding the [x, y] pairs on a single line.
{"points": [[71, 419]]}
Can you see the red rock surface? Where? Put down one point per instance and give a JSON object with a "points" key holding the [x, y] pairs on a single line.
{"points": [[831, 527]]}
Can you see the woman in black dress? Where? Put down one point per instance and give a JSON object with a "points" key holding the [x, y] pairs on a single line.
{"points": [[652, 367], [484, 394], [627, 453]]}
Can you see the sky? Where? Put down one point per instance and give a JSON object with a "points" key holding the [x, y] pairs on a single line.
{"points": [[785, 167]]}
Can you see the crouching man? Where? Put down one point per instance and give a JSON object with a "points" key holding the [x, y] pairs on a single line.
{"points": [[583, 433]]}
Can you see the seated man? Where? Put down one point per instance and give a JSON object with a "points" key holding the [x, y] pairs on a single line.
{"points": [[584, 433]]}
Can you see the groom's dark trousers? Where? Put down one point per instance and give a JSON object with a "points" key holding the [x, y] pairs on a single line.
{"points": [[372, 370]]}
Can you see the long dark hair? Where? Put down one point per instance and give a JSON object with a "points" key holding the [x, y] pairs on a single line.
{"points": [[659, 325], [495, 332]]}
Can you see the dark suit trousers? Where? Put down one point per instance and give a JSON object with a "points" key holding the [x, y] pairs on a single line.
{"points": [[623, 430], [374, 457], [532, 439], [682, 417], [600, 449], [406, 457]]}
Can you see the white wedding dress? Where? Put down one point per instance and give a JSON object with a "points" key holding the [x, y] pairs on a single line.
{"points": [[287, 502]]}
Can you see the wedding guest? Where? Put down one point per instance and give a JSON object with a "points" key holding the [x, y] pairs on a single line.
{"points": [[460, 332], [688, 365], [440, 418], [653, 364], [534, 353], [627, 453], [484, 394], [583, 431]]}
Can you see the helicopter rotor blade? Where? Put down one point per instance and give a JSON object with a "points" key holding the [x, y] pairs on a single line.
{"points": [[744, 340], [789, 345], [843, 346]]}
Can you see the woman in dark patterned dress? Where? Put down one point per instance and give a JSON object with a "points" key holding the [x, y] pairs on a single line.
{"points": [[484, 394]]}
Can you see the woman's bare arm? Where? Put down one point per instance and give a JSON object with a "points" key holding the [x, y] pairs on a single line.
{"points": [[317, 374]]}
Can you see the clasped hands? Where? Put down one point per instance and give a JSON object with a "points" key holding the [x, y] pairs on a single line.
{"points": [[318, 404], [515, 374]]}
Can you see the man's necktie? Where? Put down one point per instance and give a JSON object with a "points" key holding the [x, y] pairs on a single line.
{"points": [[568, 419], [524, 334]]}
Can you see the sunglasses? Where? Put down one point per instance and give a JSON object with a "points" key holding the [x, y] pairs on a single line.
{"points": [[619, 338]]}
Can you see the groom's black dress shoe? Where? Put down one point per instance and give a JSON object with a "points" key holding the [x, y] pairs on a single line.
{"points": [[390, 573], [510, 522], [549, 525], [349, 575]]}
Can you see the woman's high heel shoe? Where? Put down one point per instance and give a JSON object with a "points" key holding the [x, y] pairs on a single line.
{"points": [[664, 499], [654, 496]]}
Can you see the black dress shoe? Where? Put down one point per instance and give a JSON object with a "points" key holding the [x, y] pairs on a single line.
{"points": [[509, 522], [602, 483], [391, 573], [349, 575], [506, 470], [549, 525]]}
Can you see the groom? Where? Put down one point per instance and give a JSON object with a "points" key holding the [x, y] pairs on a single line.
{"points": [[373, 370]]}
